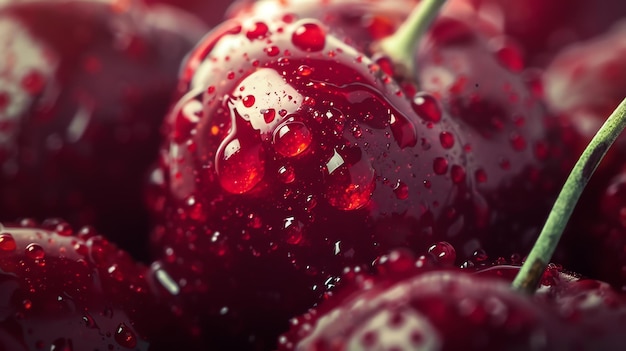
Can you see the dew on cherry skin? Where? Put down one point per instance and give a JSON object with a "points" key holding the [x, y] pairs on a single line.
{"points": [[272, 50], [349, 185], [518, 142], [294, 230], [34, 251], [401, 190], [480, 176], [286, 174], [457, 174], [292, 138], [440, 165], [404, 132], [33, 82], [446, 139], [443, 252], [304, 71], [258, 31], [239, 167], [268, 115], [309, 36], [248, 101], [7, 242], [426, 107], [125, 336]]}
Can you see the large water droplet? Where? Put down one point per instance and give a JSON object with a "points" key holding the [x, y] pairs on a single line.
{"points": [[239, 167], [7, 242], [292, 138], [309, 36], [426, 107], [34, 251]]}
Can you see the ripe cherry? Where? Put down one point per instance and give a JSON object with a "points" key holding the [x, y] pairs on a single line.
{"points": [[76, 291], [84, 87]]}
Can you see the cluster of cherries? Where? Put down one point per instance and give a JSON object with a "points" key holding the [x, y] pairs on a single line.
{"points": [[307, 175]]}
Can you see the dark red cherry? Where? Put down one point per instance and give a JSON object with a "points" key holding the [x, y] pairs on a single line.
{"points": [[290, 157], [544, 28], [61, 290], [84, 87], [211, 12], [521, 150], [434, 309]]}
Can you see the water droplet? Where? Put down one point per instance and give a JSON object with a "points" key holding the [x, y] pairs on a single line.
{"points": [[125, 336], [33, 82], [443, 252], [404, 132], [89, 321], [305, 71], [258, 31], [401, 190], [480, 176], [7, 242], [446, 139], [457, 173], [426, 107], [294, 231], [239, 167], [35, 251], [350, 180], [272, 50], [440, 165], [510, 57], [517, 141], [248, 101], [286, 174], [268, 115], [292, 138], [309, 36]]}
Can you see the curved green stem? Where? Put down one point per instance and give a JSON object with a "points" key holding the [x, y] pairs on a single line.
{"points": [[400, 47], [530, 274]]}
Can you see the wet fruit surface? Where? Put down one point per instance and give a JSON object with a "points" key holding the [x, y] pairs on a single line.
{"points": [[83, 89], [411, 307], [76, 291], [292, 156]]}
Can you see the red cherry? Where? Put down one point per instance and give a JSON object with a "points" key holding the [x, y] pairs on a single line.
{"points": [[434, 309], [79, 292], [84, 86], [521, 150]]}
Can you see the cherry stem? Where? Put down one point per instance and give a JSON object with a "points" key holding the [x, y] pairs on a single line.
{"points": [[400, 47], [527, 280]]}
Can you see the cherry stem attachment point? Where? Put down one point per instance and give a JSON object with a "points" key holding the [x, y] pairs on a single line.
{"points": [[529, 276], [400, 47]]}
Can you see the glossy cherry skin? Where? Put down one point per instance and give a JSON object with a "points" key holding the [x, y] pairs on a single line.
{"points": [[525, 153], [356, 22], [84, 87], [405, 307], [211, 12], [76, 291], [544, 28], [292, 156]]}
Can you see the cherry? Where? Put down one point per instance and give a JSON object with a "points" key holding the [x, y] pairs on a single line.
{"points": [[544, 28], [85, 85], [522, 149], [76, 291], [211, 12], [408, 307]]}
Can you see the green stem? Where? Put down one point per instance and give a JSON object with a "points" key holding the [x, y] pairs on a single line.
{"points": [[530, 273], [401, 46]]}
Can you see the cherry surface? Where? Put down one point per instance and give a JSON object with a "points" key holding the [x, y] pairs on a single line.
{"points": [[291, 156], [524, 151], [409, 307], [544, 28], [84, 88], [62, 290]]}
